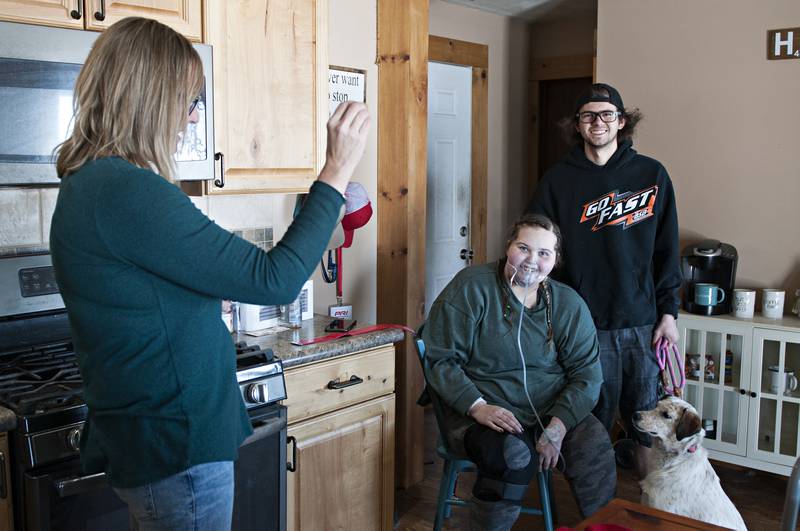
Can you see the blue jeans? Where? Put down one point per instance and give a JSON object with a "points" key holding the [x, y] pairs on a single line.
{"points": [[200, 498]]}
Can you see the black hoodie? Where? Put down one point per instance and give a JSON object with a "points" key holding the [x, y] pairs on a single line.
{"points": [[620, 234]]}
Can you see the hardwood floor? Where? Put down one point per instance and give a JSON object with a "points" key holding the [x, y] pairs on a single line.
{"points": [[758, 495]]}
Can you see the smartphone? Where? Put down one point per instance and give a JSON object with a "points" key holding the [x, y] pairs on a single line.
{"points": [[341, 325]]}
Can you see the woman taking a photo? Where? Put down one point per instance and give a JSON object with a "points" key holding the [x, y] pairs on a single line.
{"points": [[142, 272]]}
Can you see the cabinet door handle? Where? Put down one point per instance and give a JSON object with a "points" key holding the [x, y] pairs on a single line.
{"points": [[742, 392], [220, 183], [101, 15], [292, 466], [354, 380], [77, 14], [753, 394]]}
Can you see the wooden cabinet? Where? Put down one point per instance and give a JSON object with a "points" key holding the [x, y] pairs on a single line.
{"points": [[342, 443], [6, 511], [185, 16], [752, 416], [270, 82]]}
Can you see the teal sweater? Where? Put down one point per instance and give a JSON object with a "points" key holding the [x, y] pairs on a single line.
{"points": [[142, 272], [471, 349]]}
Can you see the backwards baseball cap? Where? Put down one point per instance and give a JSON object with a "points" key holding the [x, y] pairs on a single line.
{"points": [[597, 92], [357, 210]]}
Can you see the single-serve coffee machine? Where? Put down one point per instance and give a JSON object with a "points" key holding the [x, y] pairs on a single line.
{"points": [[709, 274]]}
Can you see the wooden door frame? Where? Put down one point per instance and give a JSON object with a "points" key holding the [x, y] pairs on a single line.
{"points": [[403, 54], [402, 59], [445, 50], [547, 69]]}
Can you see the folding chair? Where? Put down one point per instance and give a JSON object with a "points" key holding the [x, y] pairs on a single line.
{"points": [[455, 464]]}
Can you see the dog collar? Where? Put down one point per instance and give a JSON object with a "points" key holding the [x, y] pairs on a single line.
{"points": [[692, 449]]}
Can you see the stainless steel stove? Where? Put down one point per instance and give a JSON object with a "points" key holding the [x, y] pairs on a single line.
{"points": [[41, 383]]}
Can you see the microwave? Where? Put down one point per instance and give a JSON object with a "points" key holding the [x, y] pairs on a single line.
{"points": [[38, 69]]}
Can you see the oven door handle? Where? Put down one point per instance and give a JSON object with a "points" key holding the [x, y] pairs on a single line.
{"points": [[72, 486]]}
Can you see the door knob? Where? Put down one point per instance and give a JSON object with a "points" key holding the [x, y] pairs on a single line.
{"points": [[467, 254]]}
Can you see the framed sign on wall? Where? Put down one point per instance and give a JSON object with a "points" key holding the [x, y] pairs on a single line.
{"points": [[346, 84]]}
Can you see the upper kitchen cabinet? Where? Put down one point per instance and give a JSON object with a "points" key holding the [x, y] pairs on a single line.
{"points": [[185, 16], [270, 82]]}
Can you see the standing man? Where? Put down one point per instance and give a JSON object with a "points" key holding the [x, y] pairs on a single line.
{"points": [[616, 209]]}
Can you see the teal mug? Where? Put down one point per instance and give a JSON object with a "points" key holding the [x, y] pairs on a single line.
{"points": [[708, 294]]}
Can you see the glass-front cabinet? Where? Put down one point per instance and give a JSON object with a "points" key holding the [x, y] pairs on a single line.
{"points": [[717, 368], [775, 408], [742, 377]]}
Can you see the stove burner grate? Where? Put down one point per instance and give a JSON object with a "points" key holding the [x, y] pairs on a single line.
{"points": [[42, 378]]}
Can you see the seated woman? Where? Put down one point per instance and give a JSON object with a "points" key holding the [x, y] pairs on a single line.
{"points": [[511, 421]]}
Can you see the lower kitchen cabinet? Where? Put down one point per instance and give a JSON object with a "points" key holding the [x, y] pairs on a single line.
{"points": [[344, 469], [341, 443], [6, 520], [751, 416]]}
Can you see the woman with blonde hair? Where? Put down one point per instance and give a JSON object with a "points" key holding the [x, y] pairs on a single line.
{"points": [[142, 272]]}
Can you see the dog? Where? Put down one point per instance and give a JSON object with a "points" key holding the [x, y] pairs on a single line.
{"points": [[680, 478]]}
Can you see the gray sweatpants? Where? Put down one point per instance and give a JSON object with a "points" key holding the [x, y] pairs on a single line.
{"points": [[590, 470]]}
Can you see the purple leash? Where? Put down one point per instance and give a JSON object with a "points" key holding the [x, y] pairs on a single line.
{"points": [[664, 356]]}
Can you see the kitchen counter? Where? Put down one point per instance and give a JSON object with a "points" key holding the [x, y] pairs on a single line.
{"points": [[8, 420], [293, 355]]}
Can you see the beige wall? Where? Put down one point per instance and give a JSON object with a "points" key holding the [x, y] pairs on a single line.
{"points": [[720, 116], [508, 43], [561, 37]]}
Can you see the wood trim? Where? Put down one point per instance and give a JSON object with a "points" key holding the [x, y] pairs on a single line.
{"points": [[545, 69], [480, 162], [458, 52], [565, 67], [402, 165], [453, 51], [533, 135]]}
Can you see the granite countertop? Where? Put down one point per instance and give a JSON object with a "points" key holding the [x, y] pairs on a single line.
{"points": [[8, 420], [293, 355]]}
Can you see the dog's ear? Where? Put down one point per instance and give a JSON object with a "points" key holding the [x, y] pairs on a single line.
{"points": [[688, 425]]}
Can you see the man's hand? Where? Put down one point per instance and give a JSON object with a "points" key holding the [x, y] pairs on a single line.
{"points": [[495, 417], [667, 329], [348, 127], [549, 444]]}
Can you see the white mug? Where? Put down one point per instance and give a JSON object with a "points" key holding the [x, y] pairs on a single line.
{"points": [[744, 303], [775, 377], [772, 303]]}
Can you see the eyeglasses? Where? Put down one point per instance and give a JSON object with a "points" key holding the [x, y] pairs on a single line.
{"points": [[193, 106], [588, 117]]}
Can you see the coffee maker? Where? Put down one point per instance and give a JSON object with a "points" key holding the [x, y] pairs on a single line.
{"points": [[711, 262]]}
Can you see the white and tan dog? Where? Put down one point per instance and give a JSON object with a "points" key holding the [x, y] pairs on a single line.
{"points": [[680, 478]]}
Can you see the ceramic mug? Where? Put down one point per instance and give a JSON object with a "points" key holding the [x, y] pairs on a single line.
{"points": [[744, 303], [772, 303], [708, 294], [775, 377]]}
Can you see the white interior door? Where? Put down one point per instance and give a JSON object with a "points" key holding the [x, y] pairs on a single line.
{"points": [[449, 176]]}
